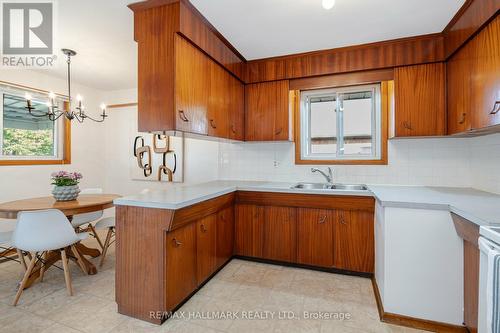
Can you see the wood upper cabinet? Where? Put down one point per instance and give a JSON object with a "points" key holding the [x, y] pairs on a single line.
{"points": [[249, 230], [280, 234], [419, 105], [485, 76], [236, 110], [206, 238], [181, 268], [473, 82], [458, 83], [192, 88], [354, 248], [315, 237], [267, 111], [218, 101], [225, 235]]}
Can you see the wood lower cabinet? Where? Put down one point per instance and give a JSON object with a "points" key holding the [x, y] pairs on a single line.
{"points": [[267, 111], [354, 241], [419, 100], [206, 238], [249, 230], [181, 265], [280, 234], [225, 235], [315, 237]]}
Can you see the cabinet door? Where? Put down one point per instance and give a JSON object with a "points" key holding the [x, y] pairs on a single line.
{"points": [[206, 238], [354, 244], [315, 237], [486, 76], [267, 111], [225, 235], [280, 234], [218, 101], [236, 110], [458, 76], [249, 230], [181, 264], [420, 108], [192, 87]]}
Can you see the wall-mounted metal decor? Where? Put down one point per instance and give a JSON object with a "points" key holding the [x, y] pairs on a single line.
{"points": [[158, 153]]}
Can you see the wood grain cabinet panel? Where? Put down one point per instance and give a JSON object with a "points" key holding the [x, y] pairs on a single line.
{"points": [[485, 81], [181, 271], [267, 111], [206, 238], [458, 80], [192, 88], [218, 101], [420, 107], [315, 237], [236, 109], [280, 234], [225, 235], [249, 230], [354, 248]]}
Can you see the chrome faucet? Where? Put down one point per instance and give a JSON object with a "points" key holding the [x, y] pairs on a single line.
{"points": [[328, 177]]}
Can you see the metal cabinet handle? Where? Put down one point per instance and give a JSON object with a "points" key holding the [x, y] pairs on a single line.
{"points": [[463, 118], [322, 219], [203, 228], [496, 108], [176, 242], [407, 125], [182, 115], [212, 123], [342, 221], [233, 129], [278, 132]]}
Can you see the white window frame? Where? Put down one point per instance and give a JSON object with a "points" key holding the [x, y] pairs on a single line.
{"points": [[58, 153], [305, 123]]}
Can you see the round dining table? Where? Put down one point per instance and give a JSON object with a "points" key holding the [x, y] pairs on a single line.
{"points": [[85, 203]]}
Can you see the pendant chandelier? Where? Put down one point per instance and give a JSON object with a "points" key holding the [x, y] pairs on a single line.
{"points": [[55, 113]]}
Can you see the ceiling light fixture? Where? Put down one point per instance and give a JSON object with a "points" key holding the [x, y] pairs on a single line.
{"points": [[328, 4], [54, 113]]}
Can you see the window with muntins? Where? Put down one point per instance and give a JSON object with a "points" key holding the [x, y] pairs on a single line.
{"points": [[341, 123]]}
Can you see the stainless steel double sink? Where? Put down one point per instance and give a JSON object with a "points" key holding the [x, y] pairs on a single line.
{"points": [[326, 186]]}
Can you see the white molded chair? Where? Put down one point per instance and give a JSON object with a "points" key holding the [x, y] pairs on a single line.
{"points": [[106, 223], [39, 232], [80, 220]]}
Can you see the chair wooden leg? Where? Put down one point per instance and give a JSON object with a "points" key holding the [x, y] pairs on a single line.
{"points": [[25, 279], [79, 260], [42, 268], [20, 255], [106, 246], [96, 236], [67, 275]]}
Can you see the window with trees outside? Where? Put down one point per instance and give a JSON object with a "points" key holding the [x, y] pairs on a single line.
{"points": [[30, 138], [341, 125]]}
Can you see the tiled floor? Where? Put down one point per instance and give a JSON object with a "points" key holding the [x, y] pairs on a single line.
{"points": [[242, 288]]}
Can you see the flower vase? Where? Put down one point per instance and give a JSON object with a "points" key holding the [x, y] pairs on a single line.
{"points": [[66, 193]]}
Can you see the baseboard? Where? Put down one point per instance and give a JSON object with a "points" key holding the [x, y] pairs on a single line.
{"points": [[417, 323]]}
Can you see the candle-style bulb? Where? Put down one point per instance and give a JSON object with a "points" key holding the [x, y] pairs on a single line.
{"points": [[28, 97], [52, 95], [103, 107], [79, 98]]}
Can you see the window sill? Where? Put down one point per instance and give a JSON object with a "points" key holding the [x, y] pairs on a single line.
{"points": [[382, 161], [34, 162]]}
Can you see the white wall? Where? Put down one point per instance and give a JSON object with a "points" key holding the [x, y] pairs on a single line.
{"points": [[444, 162], [17, 182], [485, 162], [200, 156]]}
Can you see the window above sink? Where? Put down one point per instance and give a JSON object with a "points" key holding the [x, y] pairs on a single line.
{"points": [[343, 125]]}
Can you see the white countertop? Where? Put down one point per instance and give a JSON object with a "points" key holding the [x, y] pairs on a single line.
{"points": [[179, 196], [480, 207]]}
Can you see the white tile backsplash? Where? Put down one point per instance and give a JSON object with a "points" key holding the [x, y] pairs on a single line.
{"points": [[462, 162]]}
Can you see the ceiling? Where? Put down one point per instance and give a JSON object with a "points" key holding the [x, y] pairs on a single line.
{"points": [[102, 31], [267, 28]]}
